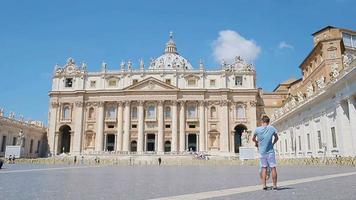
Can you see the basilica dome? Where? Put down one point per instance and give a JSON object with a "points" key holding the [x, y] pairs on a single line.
{"points": [[170, 60]]}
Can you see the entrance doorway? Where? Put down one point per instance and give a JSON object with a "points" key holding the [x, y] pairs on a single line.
{"points": [[133, 146], [192, 142], [110, 142], [167, 146], [64, 143], [151, 138], [239, 129]]}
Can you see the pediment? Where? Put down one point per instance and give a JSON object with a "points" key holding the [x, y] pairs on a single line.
{"points": [[151, 84]]}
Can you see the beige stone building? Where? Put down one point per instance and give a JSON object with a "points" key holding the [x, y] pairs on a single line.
{"points": [[167, 106], [34, 135], [318, 115]]}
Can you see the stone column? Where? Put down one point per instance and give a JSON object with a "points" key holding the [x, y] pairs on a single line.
{"points": [[182, 126], [52, 133], [224, 126], [119, 127], [202, 126], [105, 141], [160, 139], [126, 137], [71, 142], [100, 127], [56, 142], [174, 147], [78, 129], [344, 138], [352, 112], [140, 127]]}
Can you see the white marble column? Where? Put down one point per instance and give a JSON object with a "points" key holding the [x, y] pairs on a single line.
{"points": [[202, 126], [224, 126], [174, 147], [343, 130], [352, 112], [126, 137], [100, 127], [182, 126], [52, 133], [56, 142], [78, 129], [140, 127], [160, 139], [119, 127]]}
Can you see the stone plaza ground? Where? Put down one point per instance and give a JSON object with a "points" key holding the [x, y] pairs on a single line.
{"points": [[28, 181]]}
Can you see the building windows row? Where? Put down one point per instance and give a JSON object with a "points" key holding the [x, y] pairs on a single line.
{"points": [[349, 40]]}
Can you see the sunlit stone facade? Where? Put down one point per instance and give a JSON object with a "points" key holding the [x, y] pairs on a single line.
{"points": [[318, 116], [168, 106], [34, 142]]}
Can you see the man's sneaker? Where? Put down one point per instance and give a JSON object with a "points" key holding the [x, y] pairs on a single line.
{"points": [[274, 188], [265, 188]]}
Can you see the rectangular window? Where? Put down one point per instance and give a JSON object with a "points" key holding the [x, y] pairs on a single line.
{"points": [[320, 145], [238, 80], [168, 126], [38, 146], [92, 84], [14, 140], [300, 143], [69, 82], [333, 136], [192, 82], [31, 146], [168, 81], [111, 126], [191, 125], [134, 81], [212, 82], [3, 143], [134, 126], [308, 138], [347, 39]]}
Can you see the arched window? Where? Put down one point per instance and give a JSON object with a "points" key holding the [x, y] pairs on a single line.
{"points": [[91, 113], [110, 113], [151, 112], [240, 112], [192, 112], [134, 112], [66, 112], [212, 112], [167, 112]]}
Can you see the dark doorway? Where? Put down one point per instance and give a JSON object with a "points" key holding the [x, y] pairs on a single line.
{"points": [[133, 146], [64, 143], [167, 146], [150, 142], [192, 142], [110, 142], [239, 129]]}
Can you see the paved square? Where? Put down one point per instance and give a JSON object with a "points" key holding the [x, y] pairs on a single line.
{"points": [[172, 182]]}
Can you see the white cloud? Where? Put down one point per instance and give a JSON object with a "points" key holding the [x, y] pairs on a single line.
{"points": [[230, 44], [285, 45]]}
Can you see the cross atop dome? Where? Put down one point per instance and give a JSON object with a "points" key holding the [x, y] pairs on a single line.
{"points": [[171, 45]]}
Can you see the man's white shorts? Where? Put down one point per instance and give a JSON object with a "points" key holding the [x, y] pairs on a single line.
{"points": [[268, 159]]}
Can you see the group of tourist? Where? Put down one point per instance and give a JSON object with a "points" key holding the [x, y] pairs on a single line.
{"points": [[11, 159]]}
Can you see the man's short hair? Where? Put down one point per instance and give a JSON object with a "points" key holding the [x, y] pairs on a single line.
{"points": [[265, 119]]}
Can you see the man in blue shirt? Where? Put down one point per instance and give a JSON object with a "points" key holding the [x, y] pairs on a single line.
{"points": [[263, 137]]}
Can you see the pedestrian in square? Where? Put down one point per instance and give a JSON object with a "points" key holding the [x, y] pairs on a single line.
{"points": [[265, 137]]}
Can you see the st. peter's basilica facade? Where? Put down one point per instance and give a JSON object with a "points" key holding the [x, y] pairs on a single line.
{"points": [[167, 107]]}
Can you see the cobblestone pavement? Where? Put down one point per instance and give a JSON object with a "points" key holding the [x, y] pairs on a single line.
{"points": [[146, 182]]}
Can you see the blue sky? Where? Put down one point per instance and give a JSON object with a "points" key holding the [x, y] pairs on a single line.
{"points": [[35, 35]]}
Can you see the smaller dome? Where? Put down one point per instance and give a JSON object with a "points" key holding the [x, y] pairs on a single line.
{"points": [[171, 58]]}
